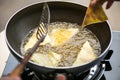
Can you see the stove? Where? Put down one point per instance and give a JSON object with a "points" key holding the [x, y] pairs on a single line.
{"points": [[108, 69]]}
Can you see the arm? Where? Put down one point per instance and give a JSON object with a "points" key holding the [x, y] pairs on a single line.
{"points": [[109, 2]]}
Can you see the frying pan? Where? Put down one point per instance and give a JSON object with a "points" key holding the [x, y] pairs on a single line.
{"points": [[27, 18]]}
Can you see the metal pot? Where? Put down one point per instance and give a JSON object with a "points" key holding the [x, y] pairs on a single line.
{"points": [[27, 18]]}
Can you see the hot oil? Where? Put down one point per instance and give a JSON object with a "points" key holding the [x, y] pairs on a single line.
{"points": [[69, 49]]}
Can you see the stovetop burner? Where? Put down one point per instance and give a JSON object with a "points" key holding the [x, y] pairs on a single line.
{"points": [[95, 73], [108, 69]]}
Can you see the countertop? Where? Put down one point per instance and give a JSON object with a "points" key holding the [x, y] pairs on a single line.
{"points": [[9, 7], [4, 52]]}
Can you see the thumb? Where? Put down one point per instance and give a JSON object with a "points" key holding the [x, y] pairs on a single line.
{"points": [[16, 78], [61, 77]]}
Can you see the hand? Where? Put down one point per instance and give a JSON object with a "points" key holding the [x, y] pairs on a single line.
{"points": [[109, 2], [61, 77], [9, 78]]}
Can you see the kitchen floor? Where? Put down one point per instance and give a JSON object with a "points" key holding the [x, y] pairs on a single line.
{"points": [[9, 7]]}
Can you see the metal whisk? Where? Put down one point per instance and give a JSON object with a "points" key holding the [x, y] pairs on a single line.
{"points": [[41, 33]]}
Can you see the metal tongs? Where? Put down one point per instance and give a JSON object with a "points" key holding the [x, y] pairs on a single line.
{"points": [[41, 33]]}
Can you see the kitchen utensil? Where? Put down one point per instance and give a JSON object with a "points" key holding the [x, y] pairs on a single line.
{"points": [[45, 19], [41, 33]]}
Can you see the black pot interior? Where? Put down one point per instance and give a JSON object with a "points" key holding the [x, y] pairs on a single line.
{"points": [[28, 18]]}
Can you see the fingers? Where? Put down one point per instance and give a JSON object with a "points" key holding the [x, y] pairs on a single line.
{"points": [[109, 4], [101, 2], [94, 2], [60, 77]]}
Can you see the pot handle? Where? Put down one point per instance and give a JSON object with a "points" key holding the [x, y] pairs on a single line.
{"points": [[61, 77]]}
